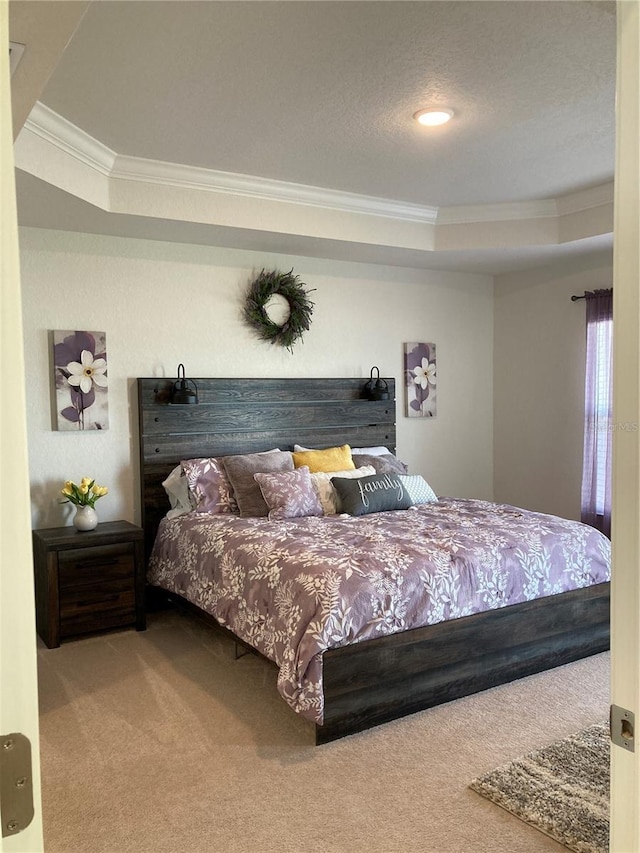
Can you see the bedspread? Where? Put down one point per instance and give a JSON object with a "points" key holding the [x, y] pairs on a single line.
{"points": [[295, 588]]}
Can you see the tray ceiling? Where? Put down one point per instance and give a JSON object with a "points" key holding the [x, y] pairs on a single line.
{"points": [[320, 96]]}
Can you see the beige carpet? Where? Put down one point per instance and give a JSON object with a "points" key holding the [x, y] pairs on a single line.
{"points": [[161, 742]]}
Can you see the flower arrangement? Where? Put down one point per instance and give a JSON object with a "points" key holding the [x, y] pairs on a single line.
{"points": [[86, 494]]}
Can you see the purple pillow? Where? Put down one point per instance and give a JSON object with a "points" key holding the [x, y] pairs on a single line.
{"points": [[289, 494], [209, 485]]}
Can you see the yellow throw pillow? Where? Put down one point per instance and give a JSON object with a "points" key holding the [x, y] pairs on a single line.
{"points": [[330, 459]]}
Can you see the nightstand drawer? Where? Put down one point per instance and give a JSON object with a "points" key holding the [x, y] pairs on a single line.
{"points": [[88, 595], [92, 607], [86, 565], [86, 623]]}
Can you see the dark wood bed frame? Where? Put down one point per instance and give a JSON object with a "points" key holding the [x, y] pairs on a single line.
{"points": [[378, 680]]}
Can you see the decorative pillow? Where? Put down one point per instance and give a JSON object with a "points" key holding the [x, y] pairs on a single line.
{"points": [[209, 485], [177, 490], [418, 489], [371, 451], [240, 470], [330, 459], [384, 463], [378, 493], [289, 494], [327, 494]]}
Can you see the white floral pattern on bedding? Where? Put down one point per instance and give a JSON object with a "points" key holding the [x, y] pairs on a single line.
{"points": [[294, 588]]}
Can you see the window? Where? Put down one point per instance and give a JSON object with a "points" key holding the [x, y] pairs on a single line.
{"points": [[599, 426], [603, 420]]}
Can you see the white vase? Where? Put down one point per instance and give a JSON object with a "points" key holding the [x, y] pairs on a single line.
{"points": [[86, 518]]}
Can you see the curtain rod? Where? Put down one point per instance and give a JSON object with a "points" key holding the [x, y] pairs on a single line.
{"points": [[575, 298]]}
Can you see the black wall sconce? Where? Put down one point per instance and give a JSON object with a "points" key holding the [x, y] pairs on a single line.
{"points": [[376, 389], [184, 391]]}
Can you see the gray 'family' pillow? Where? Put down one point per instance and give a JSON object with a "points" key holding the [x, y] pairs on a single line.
{"points": [[240, 470], [384, 463], [377, 493]]}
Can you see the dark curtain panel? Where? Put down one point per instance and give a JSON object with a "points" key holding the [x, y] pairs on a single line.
{"points": [[598, 422]]}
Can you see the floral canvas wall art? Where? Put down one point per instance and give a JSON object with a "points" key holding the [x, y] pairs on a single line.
{"points": [[420, 379], [80, 373]]}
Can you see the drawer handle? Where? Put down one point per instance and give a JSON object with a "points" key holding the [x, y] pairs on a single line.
{"points": [[101, 600], [99, 561]]}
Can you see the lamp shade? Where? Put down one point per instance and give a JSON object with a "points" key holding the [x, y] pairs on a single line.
{"points": [[184, 391]]}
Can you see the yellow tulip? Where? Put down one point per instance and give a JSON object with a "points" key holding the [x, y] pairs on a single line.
{"points": [[86, 494]]}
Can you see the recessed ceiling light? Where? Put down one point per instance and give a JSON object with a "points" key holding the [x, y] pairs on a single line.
{"points": [[433, 116]]}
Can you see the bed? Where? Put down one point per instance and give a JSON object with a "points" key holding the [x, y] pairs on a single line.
{"points": [[367, 673]]}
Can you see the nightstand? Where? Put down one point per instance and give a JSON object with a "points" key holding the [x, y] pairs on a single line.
{"points": [[88, 581]]}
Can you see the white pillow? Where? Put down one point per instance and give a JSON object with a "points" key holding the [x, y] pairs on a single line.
{"points": [[371, 451], [177, 489], [327, 493]]}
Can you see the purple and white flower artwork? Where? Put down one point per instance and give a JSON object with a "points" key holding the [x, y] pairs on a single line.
{"points": [[420, 379], [80, 372]]}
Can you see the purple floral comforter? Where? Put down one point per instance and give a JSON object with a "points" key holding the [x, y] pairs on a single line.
{"points": [[295, 588]]}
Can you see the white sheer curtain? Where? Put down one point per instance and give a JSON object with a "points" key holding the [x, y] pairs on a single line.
{"points": [[598, 423]]}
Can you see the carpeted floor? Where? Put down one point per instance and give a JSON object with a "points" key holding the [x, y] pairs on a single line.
{"points": [[562, 789], [161, 742]]}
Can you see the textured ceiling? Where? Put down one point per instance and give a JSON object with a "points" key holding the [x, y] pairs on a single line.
{"points": [[322, 93], [180, 120]]}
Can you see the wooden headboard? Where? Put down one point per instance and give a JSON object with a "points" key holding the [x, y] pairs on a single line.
{"points": [[247, 416]]}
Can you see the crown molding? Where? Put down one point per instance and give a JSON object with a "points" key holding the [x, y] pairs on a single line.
{"points": [[58, 131], [192, 177], [585, 199], [576, 202], [55, 130], [502, 212]]}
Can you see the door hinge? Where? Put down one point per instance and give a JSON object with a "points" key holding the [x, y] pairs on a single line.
{"points": [[622, 727], [16, 783]]}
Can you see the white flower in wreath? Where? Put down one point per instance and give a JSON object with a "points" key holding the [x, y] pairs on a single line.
{"points": [[425, 373], [87, 371]]}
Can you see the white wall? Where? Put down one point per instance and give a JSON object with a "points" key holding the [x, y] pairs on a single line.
{"points": [[161, 304], [539, 353]]}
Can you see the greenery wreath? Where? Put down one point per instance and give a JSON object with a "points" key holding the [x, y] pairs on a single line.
{"points": [[271, 283]]}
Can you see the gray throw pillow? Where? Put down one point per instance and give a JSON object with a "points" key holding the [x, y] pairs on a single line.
{"points": [[384, 463], [240, 470], [376, 493]]}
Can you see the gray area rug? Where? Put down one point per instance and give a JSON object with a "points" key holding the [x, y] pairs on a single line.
{"points": [[562, 790]]}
